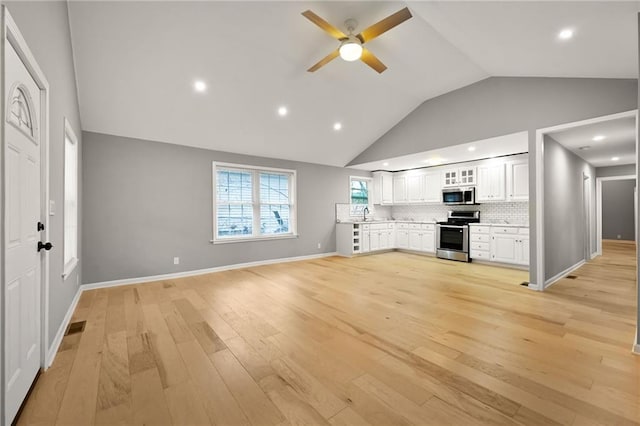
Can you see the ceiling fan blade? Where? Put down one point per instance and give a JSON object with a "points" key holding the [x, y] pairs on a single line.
{"points": [[385, 25], [324, 61], [333, 31], [371, 60]]}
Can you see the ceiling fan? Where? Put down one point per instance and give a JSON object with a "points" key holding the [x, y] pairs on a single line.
{"points": [[351, 48]]}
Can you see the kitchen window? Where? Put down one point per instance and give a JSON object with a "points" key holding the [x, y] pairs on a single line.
{"points": [[253, 203], [359, 190], [70, 213]]}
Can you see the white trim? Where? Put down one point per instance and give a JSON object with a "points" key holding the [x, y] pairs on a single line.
{"points": [[539, 206], [255, 202], [69, 268], [55, 345], [548, 283], [635, 349], [139, 280], [539, 184], [599, 206], [369, 193]]}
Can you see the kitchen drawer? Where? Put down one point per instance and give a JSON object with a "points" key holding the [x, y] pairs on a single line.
{"points": [[391, 225], [504, 230], [480, 254], [428, 227], [481, 238], [523, 231], [479, 246], [480, 229], [403, 225], [414, 226], [365, 227], [378, 226]]}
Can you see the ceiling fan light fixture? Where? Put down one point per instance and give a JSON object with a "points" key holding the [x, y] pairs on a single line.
{"points": [[350, 50]]}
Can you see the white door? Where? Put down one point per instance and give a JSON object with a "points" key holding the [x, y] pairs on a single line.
{"points": [[415, 192], [432, 187], [22, 260], [399, 189], [504, 248], [415, 240], [518, 181], [374, 240], [429, 241], [402, 239], [384, 240], [522, 257]]}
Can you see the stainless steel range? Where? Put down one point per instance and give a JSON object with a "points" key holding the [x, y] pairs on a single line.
{"points": [[452, 236]]}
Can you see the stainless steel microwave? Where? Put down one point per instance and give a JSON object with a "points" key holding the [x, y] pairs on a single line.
{"points": [[457, 196]]}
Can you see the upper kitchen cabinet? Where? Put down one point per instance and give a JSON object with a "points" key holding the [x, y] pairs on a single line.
{"points": [[432, 187], [461, 176], [518, 180], [400, 190], [491, 183], [382, 188], [415, 188]]}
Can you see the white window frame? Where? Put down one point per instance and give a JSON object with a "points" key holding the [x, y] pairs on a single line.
{"points": [[69, 265], [255, 171], [369, 205]]}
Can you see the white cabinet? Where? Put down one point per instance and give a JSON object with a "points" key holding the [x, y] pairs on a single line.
{"points": [[365, 239], [382, 188], [432, 187], [399, 189], [518, 181], [491, 183], [459, 177], [415, 188], [422, 237], [510, 245], [374, 241], [467, 176], [402, 238]]}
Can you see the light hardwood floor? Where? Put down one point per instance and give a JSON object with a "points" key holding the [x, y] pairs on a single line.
{"points": [[388, 339]]}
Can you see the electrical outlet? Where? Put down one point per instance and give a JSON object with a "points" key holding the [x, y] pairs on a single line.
{"points": [[619, 236], [319, 245], [176, 260]]}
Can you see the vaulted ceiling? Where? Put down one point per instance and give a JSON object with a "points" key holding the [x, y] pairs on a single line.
{"points": [[136, 63]]}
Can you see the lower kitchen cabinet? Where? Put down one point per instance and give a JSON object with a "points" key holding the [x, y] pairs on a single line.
{"points": [[360, 238], [502, 244]]}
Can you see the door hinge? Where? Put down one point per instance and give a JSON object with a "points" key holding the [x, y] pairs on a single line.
{"points": [[40, 226]]}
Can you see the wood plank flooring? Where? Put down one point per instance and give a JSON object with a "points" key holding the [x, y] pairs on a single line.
{"points": [[387, 339]]}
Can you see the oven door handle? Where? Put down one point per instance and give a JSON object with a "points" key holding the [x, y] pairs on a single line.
{"points": [[452, 226]]}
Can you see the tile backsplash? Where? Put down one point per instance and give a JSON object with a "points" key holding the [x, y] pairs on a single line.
{"points": [[512, 212], [343, 213]]}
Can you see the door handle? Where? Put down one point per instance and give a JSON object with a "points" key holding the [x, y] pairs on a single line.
{"points": [[47, 246]]}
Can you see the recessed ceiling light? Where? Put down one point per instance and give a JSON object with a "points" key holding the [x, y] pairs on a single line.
{"points": [[200, 86], [584, 148], [565, 34], [282, 111], [471, 148], [615, 158], [337, 126], [385, 164], [598, 138]]}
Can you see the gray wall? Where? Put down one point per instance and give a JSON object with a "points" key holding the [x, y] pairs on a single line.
{"points": [[502, 105], [622, 170], [146, 202], [45, 27], [637, 346], [564, 242], [618, 210]]}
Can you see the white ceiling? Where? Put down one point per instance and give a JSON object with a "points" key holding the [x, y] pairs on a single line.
{"points": [[136, 63], [516, 143], [619, 141]]}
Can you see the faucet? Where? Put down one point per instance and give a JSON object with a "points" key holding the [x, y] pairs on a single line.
{"points": [[365, 211]]}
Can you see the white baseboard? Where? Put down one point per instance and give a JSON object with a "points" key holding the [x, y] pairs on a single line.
{"points": [[562, 274], [139, 280], [53, 349], [596, 254], [636, 346]]}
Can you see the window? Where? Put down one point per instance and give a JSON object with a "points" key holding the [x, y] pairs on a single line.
{"points": [[70, 200], [252, 203], [359, 194]]}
